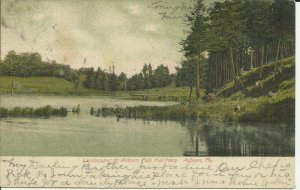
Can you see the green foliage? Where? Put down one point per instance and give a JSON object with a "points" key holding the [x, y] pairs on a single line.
{"points": [[258, 23], [161, 77], [31, 64], [197, 39], [122, 81], [287, 84], [186, 74], [135, 82], [227, 26], [148, 78], [90, 79], [283, 18], [239, 35]]}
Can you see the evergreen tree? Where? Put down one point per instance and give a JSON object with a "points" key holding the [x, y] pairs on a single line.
{"points": [[151, 79], [162, 76], [113, 80], [103, 81], [283, 20], [238, 35], [186, 75], [98, 79], [122, 81], [196, 42], [90, 79], [145, 73]]}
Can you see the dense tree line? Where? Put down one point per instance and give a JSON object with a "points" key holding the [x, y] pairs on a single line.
{"points": [[31, 64], [109, 81], [149, 78], [102, 80], [238, 35]]}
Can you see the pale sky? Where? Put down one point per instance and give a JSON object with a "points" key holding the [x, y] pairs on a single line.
{"points": [[126, 33]]}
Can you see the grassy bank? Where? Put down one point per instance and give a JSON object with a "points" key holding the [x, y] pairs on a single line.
{"points": [[279, 109], [274, 75], [268, 99]]}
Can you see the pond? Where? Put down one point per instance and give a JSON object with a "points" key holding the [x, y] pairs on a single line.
{"points": [[86, 135]]}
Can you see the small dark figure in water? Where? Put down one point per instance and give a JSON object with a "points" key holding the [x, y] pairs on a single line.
{"points": [[92, 111], [98, 112], [77, 109]]}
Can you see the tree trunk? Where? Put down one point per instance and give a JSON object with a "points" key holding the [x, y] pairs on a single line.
{"points": [[198, 77], [278, 47], [197, 144], [267, 54], [262, 61], [228, 67], [281, 54], [232, 62], [191, 91], [251, 59]]}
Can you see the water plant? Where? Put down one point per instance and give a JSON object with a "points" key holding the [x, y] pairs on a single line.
{"points": [[46, 111]]}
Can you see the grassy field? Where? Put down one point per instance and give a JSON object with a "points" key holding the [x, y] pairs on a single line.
{"points": [[57, 86], [40, 85], [170, 93]]}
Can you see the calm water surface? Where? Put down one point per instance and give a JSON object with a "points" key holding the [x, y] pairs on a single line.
{"points": [[85, 135]]}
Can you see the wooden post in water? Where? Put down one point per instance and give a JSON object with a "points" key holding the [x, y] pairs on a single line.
{"points": [[197, 144]]}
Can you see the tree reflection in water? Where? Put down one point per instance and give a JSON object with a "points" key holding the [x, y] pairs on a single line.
{"points": [[209, 138]]}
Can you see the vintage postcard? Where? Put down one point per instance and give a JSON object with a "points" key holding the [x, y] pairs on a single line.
{"points": [[147, 93]]}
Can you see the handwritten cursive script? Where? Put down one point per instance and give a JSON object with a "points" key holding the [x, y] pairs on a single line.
{"points": [[148, 172], [169, 11]]}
